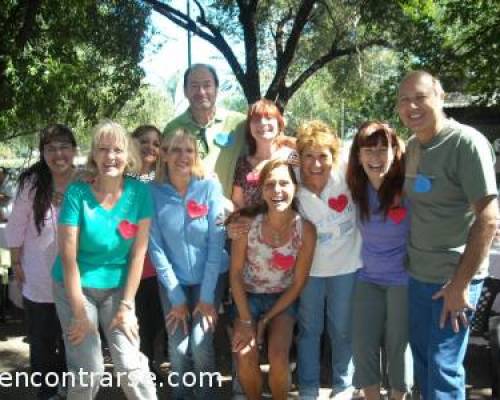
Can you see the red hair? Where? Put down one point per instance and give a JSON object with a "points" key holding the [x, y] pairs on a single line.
{"points": [[369, 135], [262, 108]]}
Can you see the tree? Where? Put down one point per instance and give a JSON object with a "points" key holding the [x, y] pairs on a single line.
{"points": [[148, 106], [459, 41], [70, 61], [302, 36]]}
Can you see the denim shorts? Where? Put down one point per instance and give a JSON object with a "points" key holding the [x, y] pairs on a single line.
{"points": [[261, 303]]}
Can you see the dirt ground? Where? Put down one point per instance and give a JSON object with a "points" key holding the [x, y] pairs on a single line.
{"points": [[14, 357]]}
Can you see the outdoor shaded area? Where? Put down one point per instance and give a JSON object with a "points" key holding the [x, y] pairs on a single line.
{"points": [[14, 357]]}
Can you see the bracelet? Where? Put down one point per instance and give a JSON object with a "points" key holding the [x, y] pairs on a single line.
{"points": [[127, 304], [247, 322]]}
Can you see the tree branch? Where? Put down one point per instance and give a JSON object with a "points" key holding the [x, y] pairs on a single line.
{"points": [[325, 59], [247, 19], [28, 26], [214, 37], [283, 63], [202, 17], [280, 31]]}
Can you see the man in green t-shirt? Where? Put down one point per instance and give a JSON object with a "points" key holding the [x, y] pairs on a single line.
{"points": [[450, 182], [220, 133]]}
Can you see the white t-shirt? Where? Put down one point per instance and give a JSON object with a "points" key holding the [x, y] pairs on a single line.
{"points": [[338, 245]]}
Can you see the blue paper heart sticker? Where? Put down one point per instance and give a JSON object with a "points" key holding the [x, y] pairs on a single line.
{"points": [[422, 184], [224, 139]]}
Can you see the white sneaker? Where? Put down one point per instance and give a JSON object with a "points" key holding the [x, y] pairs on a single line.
{"points": [[345, 394]]}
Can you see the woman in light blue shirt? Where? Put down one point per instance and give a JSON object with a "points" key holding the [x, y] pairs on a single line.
{"points": [[187, 249]]}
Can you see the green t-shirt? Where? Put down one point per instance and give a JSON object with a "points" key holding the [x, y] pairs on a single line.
{"points": [[220, 143], [443, 178], [105, 236]]}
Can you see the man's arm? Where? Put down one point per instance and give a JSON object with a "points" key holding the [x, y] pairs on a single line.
{"points": [[455, 292]]}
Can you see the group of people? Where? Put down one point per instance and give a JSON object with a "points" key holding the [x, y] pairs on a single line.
{"points": [[385, 243]]}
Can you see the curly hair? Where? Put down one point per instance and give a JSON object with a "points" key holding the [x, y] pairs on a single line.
{"points": [[317, 133]]}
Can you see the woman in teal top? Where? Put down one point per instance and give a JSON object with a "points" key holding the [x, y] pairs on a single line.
{"points": [[103, 234]]}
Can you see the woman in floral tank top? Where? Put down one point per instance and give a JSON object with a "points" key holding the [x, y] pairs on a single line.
{"points": [[269, 268]]}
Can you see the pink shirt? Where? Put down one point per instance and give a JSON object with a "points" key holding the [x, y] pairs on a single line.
{"points": [[38, 250], [149, 270]]}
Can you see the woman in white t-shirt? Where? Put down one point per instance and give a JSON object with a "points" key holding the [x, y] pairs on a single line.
{"points": [[326, 201]]}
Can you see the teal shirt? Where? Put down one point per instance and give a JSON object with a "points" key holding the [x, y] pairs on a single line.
{"points": [[103, 250]]}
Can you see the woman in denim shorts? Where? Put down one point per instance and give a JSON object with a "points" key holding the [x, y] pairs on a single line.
{"points": [[269, 267]]}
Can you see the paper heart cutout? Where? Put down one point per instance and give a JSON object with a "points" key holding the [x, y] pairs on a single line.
{"points": [[224, 139], [196, 210], [127, 229], [252, 177], [422, 184], [282, 262], [338, 203], [397, 214]]}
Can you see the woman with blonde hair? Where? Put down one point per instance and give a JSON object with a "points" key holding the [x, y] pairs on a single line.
{"points": [[326, 201], [187, 250], [103, 234]]}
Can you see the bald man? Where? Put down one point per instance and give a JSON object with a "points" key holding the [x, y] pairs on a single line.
{"points": [[450, 182]]}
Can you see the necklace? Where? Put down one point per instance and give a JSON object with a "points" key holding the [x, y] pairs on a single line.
{"points": [[280, 234], [57, 198]]}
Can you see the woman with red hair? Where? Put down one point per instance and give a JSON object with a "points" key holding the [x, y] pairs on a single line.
{"points": [[375, 176], [265, 127]]}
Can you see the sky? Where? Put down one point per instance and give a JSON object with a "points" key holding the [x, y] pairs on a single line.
{"points": [[166, 54]]}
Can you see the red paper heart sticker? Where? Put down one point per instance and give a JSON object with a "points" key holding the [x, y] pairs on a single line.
{"points": [[196, 210], [397, 215], [127, 229], [252, 177], [338, 203], [282, 262]]}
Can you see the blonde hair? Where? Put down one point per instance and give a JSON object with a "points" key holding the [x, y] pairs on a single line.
{"points": [[118, 134], [177, 136], [317, 133]]}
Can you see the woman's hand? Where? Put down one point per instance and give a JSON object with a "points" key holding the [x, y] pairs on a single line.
{"points": [[126, 321], [79, 328], [177, 315], [208, 315], [237, 228], [244, 337]]}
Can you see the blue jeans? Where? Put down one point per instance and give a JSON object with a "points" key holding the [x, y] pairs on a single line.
{"points": [[193, 352], [336, 293], [261, 303], [101, 306], [438, 354]]}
